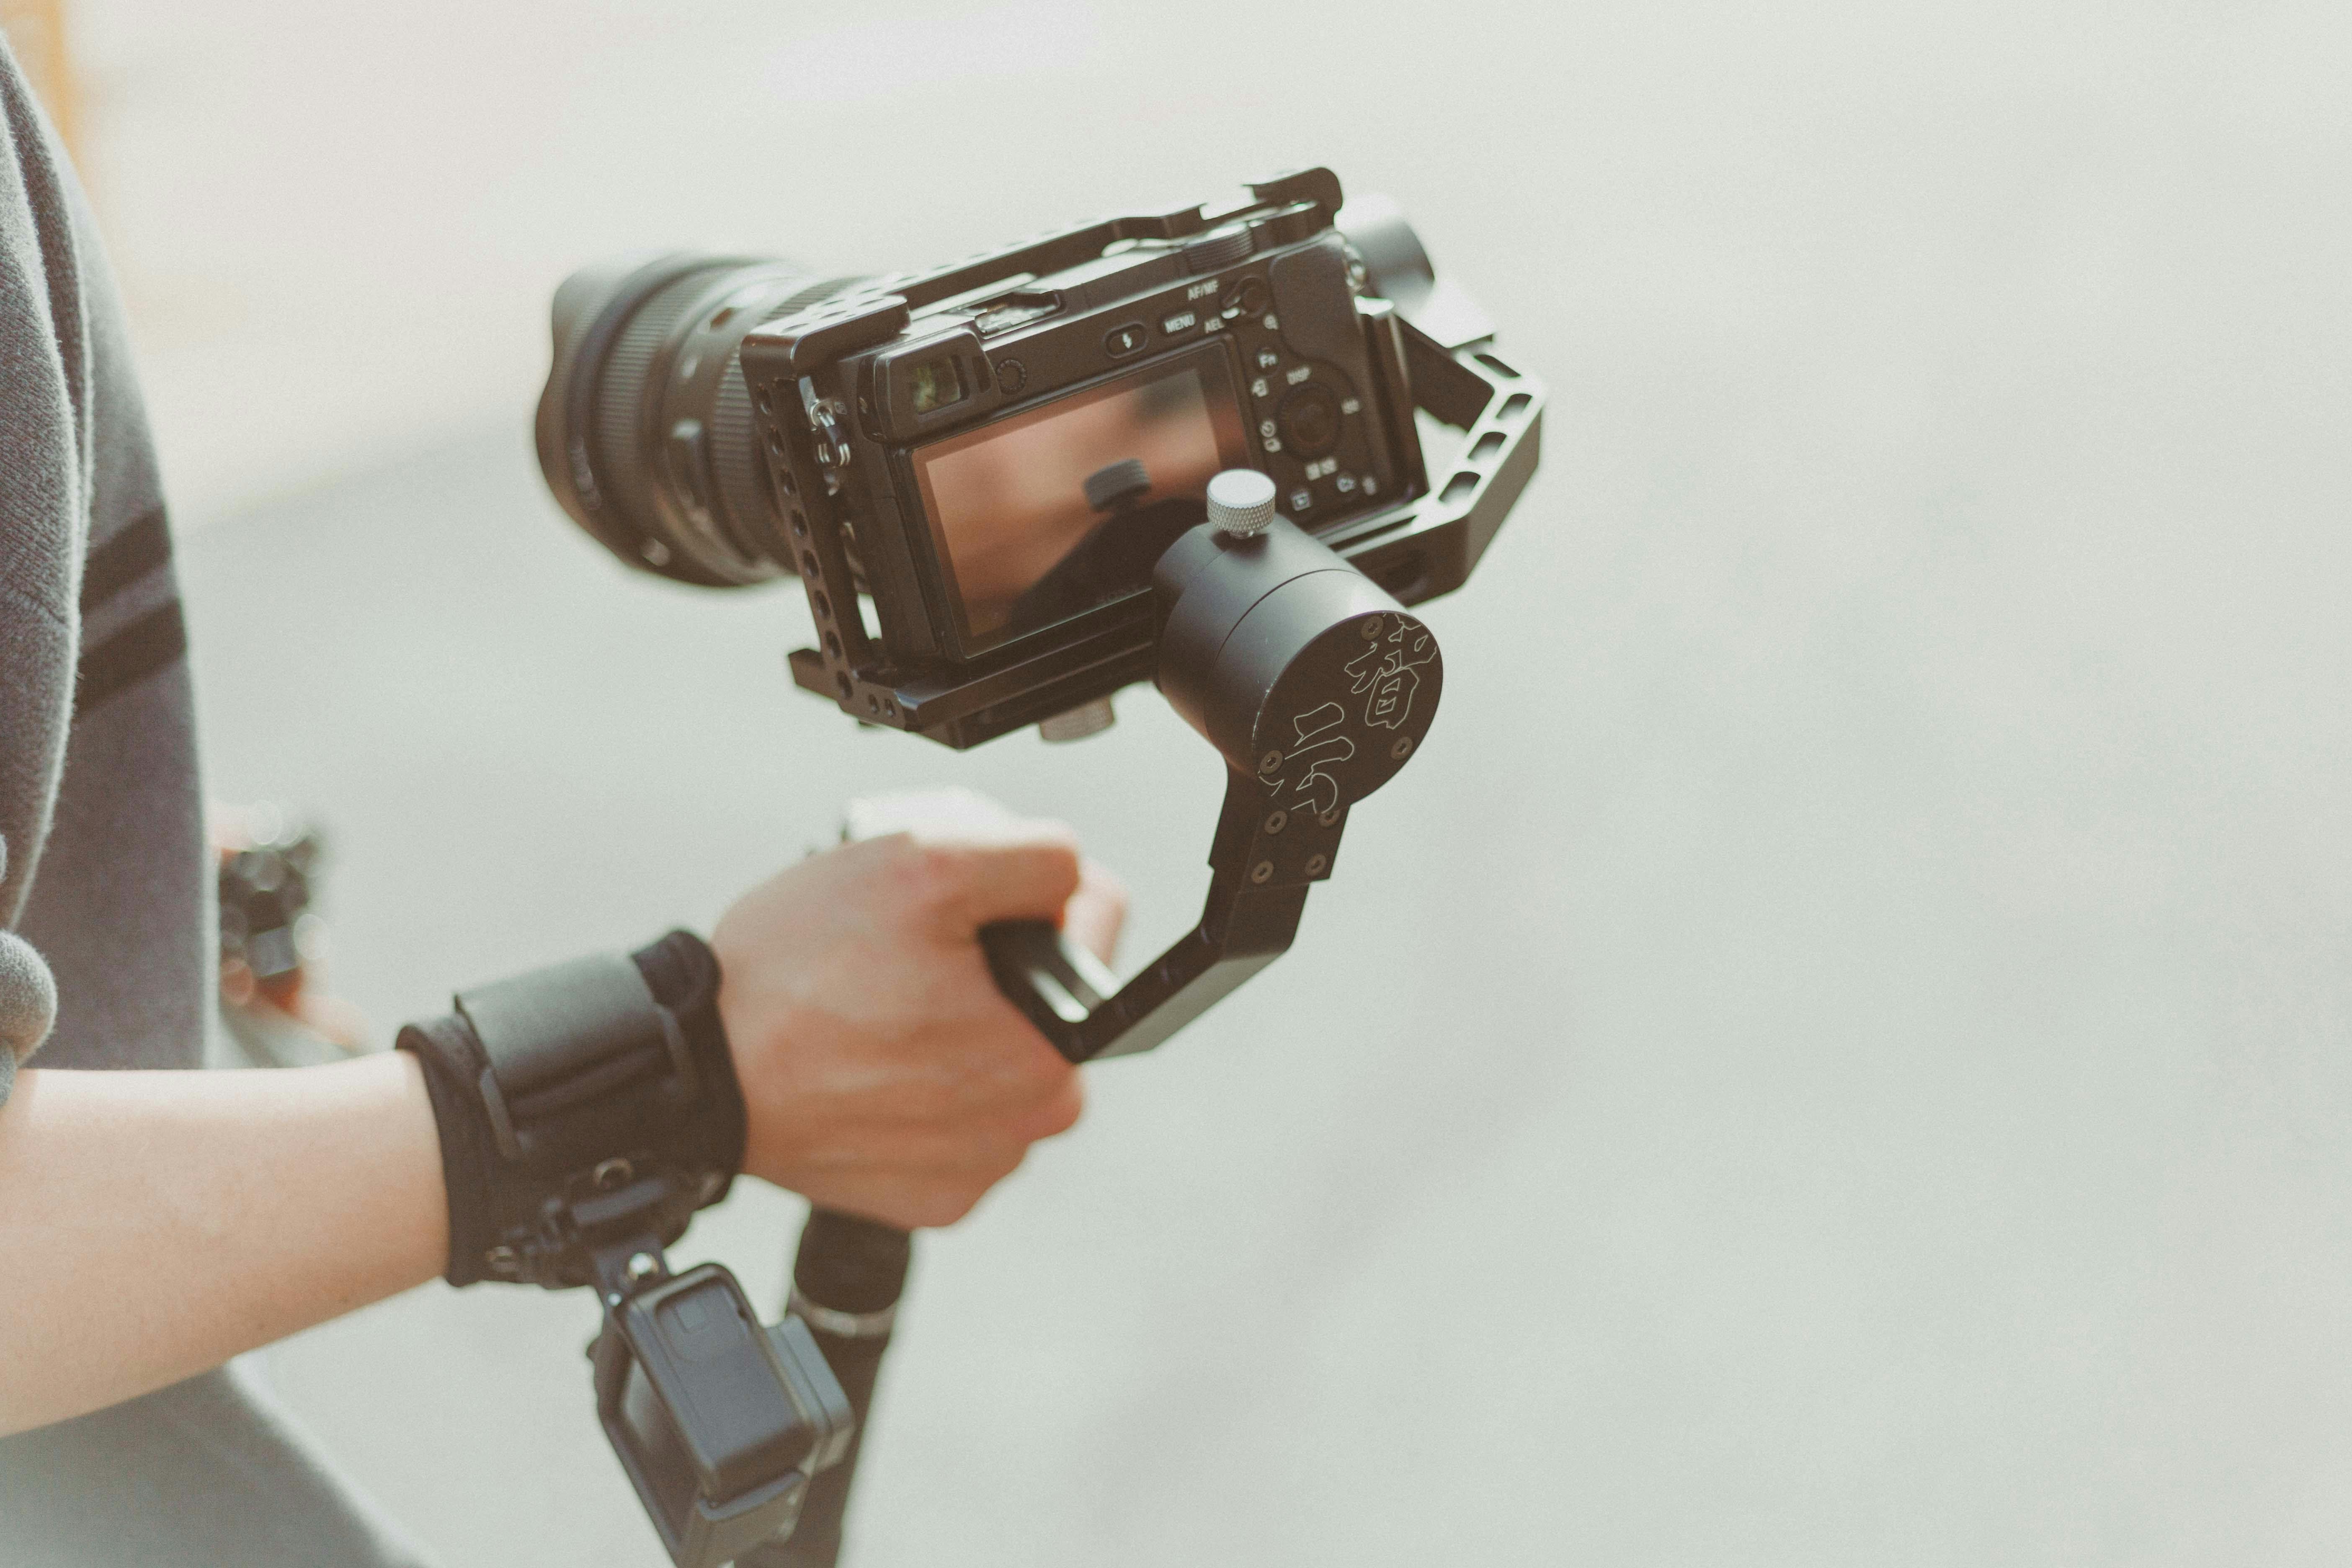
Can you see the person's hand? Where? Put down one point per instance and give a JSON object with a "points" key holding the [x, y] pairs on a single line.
{"points": [[289, 1017], [883, 1072]]}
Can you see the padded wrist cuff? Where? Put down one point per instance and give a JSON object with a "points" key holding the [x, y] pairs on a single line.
{"points": [[581, 1106]]}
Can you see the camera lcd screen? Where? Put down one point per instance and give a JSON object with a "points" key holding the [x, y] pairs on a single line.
{"points": [[1068, 505]]}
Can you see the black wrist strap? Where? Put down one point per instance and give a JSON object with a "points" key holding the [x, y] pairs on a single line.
{"points": [[581, 1107]]}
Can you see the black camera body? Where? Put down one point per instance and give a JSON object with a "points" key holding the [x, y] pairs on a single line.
{"points": [[993, 454], [1238, 347]]}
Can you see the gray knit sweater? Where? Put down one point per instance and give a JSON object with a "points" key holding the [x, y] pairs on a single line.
{"points": [[104, 939]]}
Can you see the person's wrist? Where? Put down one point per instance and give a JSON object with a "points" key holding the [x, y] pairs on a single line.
{"points": [[746, 1033], [409, 1103], [593, 1096]]}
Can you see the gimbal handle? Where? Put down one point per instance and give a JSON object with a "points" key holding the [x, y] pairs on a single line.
{"points": [[846, 1283]]}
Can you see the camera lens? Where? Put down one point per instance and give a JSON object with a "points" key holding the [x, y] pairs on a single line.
{"points": [[646, 431]]}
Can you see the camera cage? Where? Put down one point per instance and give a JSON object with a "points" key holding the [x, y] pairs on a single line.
{"points": [[1432, 352]]}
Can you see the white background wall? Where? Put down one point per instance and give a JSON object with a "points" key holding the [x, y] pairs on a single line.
{"points": [[1837, 1051]]}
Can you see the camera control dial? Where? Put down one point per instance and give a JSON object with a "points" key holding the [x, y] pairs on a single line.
{"points": [[1241, 503], [1310, 419]]}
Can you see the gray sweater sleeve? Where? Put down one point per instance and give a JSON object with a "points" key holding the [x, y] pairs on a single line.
{"points": [[46, 476], [28, 1005], [103, 869]]}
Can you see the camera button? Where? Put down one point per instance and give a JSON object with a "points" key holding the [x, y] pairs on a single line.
{"points": [[1215, 252], [1121, 341], [1310, 420], [1011, 376]]}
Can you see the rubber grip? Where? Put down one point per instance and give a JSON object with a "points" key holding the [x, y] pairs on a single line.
{"points": [[852, 1267]]}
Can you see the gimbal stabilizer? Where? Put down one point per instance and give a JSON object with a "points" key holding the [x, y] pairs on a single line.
{"points": [[1315, 686], [719, 421]]}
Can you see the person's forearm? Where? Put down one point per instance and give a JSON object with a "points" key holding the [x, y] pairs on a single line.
{"points": [[155, 1223]]}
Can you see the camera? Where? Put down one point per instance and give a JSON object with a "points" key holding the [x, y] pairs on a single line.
{"points": [[975, 468]]}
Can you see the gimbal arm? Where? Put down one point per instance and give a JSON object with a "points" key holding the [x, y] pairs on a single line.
{"points": [[1245, 925], [1315, 686]]}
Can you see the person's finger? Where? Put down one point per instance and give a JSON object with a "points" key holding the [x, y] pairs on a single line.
{"points": [[967, 885], [1058, 1113], [909, 1200], [330, 1016], [886, 1150], [1098, 912], [1002, 1071], [970, 860]]}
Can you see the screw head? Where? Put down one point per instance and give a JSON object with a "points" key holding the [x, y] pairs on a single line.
{"points": [[1370, 628], [1278, 822], [1268, 762], [1402, 749], [1241, 503], [1315, 864], [1262, 872]]}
